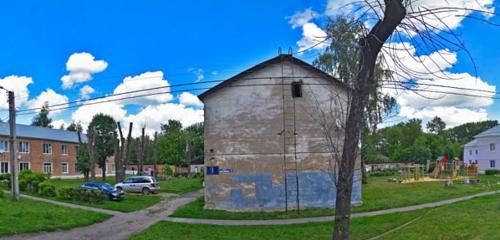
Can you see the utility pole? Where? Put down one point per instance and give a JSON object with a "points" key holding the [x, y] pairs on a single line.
{"points": [[13, 146]]}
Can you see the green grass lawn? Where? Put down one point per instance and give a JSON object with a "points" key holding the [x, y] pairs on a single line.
{"points": [[377, 194], [181, 185], [472, 219], [32, 216]]}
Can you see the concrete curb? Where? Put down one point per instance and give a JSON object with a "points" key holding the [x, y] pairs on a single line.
{"points": [[325, 218]]}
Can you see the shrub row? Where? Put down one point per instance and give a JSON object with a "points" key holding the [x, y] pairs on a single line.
{"points": [[492, 171], [91, 196], [383, 173]]}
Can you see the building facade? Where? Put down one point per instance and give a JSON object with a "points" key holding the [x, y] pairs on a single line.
{"points": [[45, 150], [266, 146], [482, 150]]}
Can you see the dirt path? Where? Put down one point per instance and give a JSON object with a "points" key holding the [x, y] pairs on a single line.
{"points": [[120, 226], [326, 218]]}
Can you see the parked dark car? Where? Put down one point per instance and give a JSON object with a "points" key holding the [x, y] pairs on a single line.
{"points": [[110, 192]]}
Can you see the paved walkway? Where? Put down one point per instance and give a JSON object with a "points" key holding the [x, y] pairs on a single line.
{"points": [[120, 226], [325, 218]]}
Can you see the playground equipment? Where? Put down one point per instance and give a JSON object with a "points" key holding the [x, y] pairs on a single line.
{"points": [[444, 170]]}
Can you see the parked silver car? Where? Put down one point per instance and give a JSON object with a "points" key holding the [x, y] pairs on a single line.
{"points": [[143, 184]]}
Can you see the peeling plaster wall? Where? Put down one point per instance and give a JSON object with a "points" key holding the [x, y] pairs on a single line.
{"points": [[242, 134]]}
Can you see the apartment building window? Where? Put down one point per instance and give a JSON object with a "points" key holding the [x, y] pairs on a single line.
{"points": [[24, 147], [4, 146], [47, 168], [64, 168], [47, 148], [4, 167], [492, 164], [64, 149], [470, 152], [492, 147], [24, 166], [297, 89], [477, 151]]}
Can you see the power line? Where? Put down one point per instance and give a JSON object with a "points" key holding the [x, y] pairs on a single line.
{"points": [[93, 102]]}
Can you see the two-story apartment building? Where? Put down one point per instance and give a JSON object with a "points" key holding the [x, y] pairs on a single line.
{"points": [[41, 150], [482, 150]]}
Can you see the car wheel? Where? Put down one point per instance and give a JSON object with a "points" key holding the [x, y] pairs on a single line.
{"points": [[146, 191]]}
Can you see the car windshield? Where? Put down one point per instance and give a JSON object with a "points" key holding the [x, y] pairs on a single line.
{"points": [[106, 186]]}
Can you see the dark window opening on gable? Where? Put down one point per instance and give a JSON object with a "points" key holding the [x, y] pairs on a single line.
{"points": [[297, 89]]}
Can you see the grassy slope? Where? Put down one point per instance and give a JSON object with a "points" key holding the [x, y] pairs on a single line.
{"points": [[32, 216], [464, 220], [181, 185], [377, 194]]}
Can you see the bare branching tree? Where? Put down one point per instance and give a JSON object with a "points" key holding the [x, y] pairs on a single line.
{"points": [[390, 32]]}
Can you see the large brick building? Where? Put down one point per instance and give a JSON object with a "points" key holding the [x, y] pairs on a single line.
{"points": [[41, 150], [265, 148]]}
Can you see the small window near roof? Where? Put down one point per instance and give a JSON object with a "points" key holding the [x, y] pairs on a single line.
{"points": [[297, 89]]}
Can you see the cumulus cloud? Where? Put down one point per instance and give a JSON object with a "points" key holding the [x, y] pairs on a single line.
{"points": [[84, 114], [144, 81], [299, 19], [152, 117], [81, 66], [189, 99], [18, 84], [58, 123], [440, 94], [313, 37], [52, 98], [85, 92]]}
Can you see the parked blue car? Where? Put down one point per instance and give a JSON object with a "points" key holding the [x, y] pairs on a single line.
{"points": [[110, 192]]}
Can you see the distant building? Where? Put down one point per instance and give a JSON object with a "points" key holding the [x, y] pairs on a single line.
{"points": [[264, 146], [483, 150], [41, 150]]}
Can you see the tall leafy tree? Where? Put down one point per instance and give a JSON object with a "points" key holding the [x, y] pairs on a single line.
{"points": [[171, 126], [42, 119], [436, 125], [104, 130]]}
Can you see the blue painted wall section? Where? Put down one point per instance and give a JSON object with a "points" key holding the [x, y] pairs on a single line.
{"points": [[315, 191]]}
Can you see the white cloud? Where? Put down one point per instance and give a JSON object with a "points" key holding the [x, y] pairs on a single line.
{"points": [[152, 117], [85, 92], [58, 123], [18, 84], [84, 114], [52, 98], [439, 94], [81, 66], [189, 99], [198, 72], [144, 81], [441, 14], [313, 37], [300, 19]]}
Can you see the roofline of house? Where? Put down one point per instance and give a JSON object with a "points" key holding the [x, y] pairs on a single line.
{"points": [[281, 57], [20, 138]]}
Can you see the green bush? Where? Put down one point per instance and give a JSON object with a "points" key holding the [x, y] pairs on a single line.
{"points": [[1, 194], [492, 171], [30, 181], [168, 170], [65, 193], [383, 173], [90, 196], [5, 180], [47, 189]]}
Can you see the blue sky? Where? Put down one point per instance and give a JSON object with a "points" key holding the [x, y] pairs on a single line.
{"points": [[180, 38]]}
